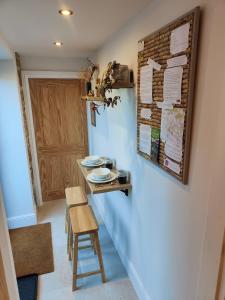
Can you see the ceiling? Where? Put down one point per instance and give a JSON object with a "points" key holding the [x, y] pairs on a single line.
{"points": [[31, 26]]}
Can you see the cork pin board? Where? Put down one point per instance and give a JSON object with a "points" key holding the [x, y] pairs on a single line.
{"points": [[167, 62]]}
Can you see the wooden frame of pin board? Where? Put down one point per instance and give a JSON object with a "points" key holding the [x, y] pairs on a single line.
{"points": [[157, 48]]}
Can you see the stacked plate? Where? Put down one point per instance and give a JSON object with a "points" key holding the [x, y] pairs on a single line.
{"points": [[92, 161], [101, 175]]}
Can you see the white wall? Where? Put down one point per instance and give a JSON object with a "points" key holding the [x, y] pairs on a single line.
{"points": [[6, 251], [222, 286], [14, 172], [169, 236], [35, 63]]}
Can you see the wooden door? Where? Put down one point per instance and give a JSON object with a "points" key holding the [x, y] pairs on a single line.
{"points": [[3, 286], [60, 124]]}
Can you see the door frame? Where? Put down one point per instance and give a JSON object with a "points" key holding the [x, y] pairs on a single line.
{"points": [[26, 75]]}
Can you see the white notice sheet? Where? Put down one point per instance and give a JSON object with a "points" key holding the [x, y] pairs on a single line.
{"points": [[146, 113], [172, 165], [145, 139], [146, 74], [141, 46], [164, 105], [174, 152], [172, 129], [154, 64], [179, 39], [172, 85], [146, 77], [164, 124], [177, 61]]}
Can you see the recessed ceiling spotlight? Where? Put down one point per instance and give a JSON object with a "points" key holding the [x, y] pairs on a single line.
{"points": [[65, 12], [58, 44]]}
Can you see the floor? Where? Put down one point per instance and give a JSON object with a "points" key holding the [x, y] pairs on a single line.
{"points": [[57, 285]]}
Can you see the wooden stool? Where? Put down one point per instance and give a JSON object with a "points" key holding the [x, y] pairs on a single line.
{"points": [[74, 197], [82, 221]]}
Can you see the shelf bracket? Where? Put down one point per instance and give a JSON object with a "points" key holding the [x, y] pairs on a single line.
{"points": [[125, 192]]}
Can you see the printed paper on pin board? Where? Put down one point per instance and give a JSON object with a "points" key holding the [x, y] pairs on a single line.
{"points": [[172, 165], [145, 139], [179, 39], [164, 105], [146, 74], [172, 85], [172, 129], [141, 46], [146, 113], [146, 78], [154, 64], [177, 61]]}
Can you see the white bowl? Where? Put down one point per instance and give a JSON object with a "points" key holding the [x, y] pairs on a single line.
{"points": [[100, 173], [92, 159]]}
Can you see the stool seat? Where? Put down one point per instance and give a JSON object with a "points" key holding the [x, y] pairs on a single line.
{"points": [[82, 220], [75, 196]]}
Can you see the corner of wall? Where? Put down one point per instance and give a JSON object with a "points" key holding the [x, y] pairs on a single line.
{"points": [[21, 221]]}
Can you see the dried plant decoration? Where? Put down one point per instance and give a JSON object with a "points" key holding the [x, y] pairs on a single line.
{"points": [[114, 77]]}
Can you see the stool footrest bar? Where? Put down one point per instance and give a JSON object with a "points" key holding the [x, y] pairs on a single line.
{"points": [[84, 239], [85, 247], [82, 275]]}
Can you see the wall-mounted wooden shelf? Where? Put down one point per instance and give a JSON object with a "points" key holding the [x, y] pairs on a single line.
{"points": [[90, 98], [105, 187], [114, 86], [123, 85]]}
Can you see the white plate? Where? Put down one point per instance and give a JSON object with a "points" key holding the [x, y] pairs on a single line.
{"points": [[83, 163], [92, 159], [100, 179], [113, 177], [91, 162]]}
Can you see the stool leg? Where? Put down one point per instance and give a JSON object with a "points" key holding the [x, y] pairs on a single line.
{"points": [[68, 229], [93, 243], [70, 241], [66, 219], [99, 253], [75, 259]]}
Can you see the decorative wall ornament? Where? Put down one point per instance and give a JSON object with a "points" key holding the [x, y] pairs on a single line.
{"points": [[115, 76]]}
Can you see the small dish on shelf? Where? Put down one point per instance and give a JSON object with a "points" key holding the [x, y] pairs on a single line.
{"points": [[100, 173], [86, 163], [92, 158], [112, 176]]}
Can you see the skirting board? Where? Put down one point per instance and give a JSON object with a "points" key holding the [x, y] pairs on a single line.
{"points": [[21, 221], [132, 273]]}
